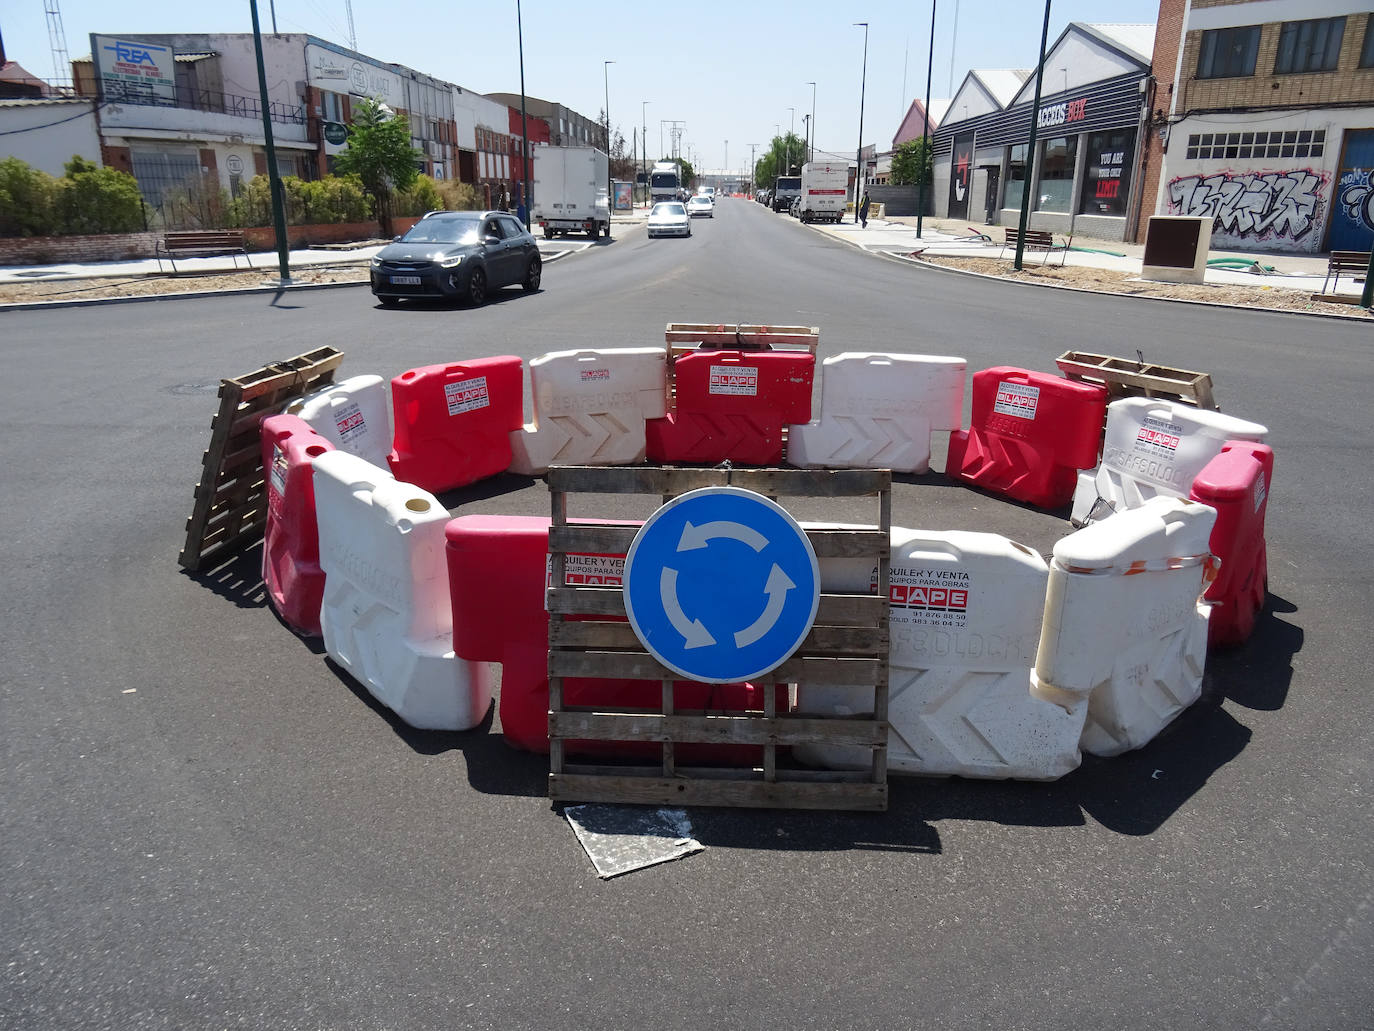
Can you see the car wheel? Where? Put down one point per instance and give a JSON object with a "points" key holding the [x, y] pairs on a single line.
{"points": [[389, 302], [533, 273], [477, 288], [548, 233], [593, 232]]}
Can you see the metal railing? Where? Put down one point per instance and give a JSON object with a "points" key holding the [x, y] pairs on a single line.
{"points": [[203, 100]]}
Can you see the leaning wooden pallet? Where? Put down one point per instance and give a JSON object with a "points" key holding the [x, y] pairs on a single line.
{"points": [[230, 507], [1127, 377], [846, 645]]}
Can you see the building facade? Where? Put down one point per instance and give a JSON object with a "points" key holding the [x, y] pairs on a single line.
{"points": [[1271, 123], [1089, 125]]}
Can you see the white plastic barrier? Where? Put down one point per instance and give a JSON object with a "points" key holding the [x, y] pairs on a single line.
{"points": [[590, 407], [1125, 620], [1153, 448], [354, 416], [964, 622], [387, 617], [878, 411]]}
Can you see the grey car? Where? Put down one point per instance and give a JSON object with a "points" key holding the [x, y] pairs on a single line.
{"points": [[457, 254]]}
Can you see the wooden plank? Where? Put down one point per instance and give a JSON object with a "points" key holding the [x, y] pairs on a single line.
{"points": [[1135, 378], [836, 641], [868, 610], [731, 729], [772, 482], [639, 665], [676, 791], [733, 773], [600, 538]]}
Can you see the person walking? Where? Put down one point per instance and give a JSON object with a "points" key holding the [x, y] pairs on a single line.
{"points": [[863, 210]]}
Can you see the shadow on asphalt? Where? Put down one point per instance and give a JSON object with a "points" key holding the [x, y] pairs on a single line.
{"points": [[237, 579]]}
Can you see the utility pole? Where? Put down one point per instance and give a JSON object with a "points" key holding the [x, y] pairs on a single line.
{"points": [[859, 158], [752, 147], [610, 195], [273, 174], [1030, 146], [925, 132], [792, 131], [644, 138], [811, 128]]}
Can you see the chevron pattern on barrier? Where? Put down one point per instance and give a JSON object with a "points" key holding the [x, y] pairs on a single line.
{"points": [[1011, 467], [869, 442], [706, 438]]}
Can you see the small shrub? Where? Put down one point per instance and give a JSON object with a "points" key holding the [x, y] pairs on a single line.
{"points": [[459, 196], [422, 195], [27, 197]]}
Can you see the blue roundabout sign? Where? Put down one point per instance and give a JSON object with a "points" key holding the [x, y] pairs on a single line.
{"points": [[721, 585]]}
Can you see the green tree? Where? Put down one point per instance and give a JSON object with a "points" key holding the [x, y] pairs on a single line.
{"points": [[380, 155], [911, 164], [689, 174], [785, 156]]}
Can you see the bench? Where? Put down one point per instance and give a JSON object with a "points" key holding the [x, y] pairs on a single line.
{"points": [[1036, 240], [204, 243], [1356, 263]]}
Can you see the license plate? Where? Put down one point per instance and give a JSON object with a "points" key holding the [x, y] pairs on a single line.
{"points": [[405, 280]]}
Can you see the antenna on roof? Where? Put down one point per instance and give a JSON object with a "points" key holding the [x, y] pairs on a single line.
{"points": [[57, 41], [352, 33]]}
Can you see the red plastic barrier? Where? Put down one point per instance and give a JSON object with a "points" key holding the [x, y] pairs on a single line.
{"points": [[733, 404], [291, 538], [453, 422], [1236, 484], [1029, 435], [497, 568]]}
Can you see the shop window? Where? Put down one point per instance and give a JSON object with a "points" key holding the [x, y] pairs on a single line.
{"points": [[1302, 143], [1226, 53], [1016, 175], [1057, 159], [1309, 46], [1107, 179]]}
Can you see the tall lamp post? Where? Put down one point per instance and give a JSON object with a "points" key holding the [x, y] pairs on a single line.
{"points": [[1030, 146], [925, 132], [524, 120], [644, 156], [610, 199], [859, 156], [811, 127], [792, 131], [273, 175]]}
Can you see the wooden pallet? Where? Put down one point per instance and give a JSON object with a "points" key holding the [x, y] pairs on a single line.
{"points": [[231, 498], [1126, 377], [690, 336], [848, 644]]}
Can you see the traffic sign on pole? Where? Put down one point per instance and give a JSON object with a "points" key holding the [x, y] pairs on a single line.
{"points": [[721, 585]]}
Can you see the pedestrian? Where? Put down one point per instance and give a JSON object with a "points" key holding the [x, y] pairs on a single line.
{"points": [[863, 210]]}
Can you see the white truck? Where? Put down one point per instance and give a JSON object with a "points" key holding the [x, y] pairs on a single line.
{"points": [[569, 191], [665, 181], [824, 188]]}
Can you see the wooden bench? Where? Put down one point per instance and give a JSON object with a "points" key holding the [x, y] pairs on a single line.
{"points": [[1036, 240], [204, 243], [1355, 263]]}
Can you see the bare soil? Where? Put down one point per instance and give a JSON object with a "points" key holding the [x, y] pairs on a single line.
{"points": [[1113, 282], [145, 286]]}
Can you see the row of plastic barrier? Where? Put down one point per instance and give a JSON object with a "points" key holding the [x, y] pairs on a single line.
{"points": [[979, 687]]}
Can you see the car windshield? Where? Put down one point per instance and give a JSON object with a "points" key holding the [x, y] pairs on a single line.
{"points": [[443, 230], [668, 209], [700, 201]]}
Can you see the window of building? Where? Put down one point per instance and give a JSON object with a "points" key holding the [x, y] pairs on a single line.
{"points": [[1310, 46], [1228, 52], [1367, 52], [332, 105], [1057, 159], [1293, 143], [1107, 178], [1016, 175]]}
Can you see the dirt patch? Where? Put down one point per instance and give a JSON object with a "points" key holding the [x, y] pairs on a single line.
{"points": [[57, 289], [1112, 282]]}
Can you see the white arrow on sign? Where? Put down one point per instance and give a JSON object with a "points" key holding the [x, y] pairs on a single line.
{"points": [[694, 537], [779, 583], [693, 631]]}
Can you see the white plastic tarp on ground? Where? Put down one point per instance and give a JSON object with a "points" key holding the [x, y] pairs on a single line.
{"points": [[620, 839]]}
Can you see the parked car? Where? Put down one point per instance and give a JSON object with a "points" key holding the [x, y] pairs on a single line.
{"points": [[669, 218], [701, 206], [794, 207], [453, 254]]}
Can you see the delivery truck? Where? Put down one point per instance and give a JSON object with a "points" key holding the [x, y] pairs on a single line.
{"points": [[824, 188], [569, 191]]}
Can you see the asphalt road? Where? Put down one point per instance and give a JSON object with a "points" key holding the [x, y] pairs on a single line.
{"points": [[204, 825]]}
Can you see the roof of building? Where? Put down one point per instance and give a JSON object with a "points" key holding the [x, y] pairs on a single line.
{"points": [[1001, 83], [15, 74], [1137, 40]]}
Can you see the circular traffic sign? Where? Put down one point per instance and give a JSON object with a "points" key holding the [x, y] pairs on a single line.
{"points": [[721, 585]]}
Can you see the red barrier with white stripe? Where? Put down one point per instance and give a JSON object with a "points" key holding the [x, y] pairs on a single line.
{"points": [[291, 569], [1236, 484]]}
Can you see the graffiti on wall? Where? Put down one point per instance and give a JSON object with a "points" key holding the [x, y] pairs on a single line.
{"points": [[1356, 197], [1253, 205]]}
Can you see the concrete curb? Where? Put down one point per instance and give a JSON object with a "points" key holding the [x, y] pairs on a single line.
{"points": [[201, 294], [904, 260]]}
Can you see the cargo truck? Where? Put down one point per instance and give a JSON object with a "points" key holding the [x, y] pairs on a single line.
{"points": [[824, 188], [786, 188], [665, 181], [569, 191]]}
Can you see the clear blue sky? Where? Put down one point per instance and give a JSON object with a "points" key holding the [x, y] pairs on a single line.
{"points": [[729, 71]]}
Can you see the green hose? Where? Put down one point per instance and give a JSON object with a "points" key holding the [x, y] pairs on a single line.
{"points": [[1238, 263], [1093, 250]]}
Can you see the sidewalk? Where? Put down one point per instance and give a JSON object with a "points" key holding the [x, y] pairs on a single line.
{"points": [[896, 236]]}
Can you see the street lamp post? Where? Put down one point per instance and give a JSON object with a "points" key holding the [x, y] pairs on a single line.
{"points": [[811, 127], [273, 174], [644, 157], [524, 120], [1030, 145], [610, 199], [925, 132], [859, 156], [792, 131]]}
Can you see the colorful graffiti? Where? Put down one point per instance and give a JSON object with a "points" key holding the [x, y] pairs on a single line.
{"points": [[1357, 197], [1254, 205]]}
